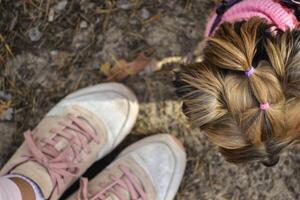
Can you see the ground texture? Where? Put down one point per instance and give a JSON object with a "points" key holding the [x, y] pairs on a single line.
{"points": [[51, 48]]}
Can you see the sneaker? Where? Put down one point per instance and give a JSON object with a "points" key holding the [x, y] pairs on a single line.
{"points": [[79, 130], [150, 169]]}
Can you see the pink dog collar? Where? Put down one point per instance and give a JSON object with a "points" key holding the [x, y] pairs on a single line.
{"points": [[272, 11]]}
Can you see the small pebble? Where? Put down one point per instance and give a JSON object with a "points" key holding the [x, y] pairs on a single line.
{"points": [[54, 53], [51, 15], [98, 20], [124, 4], [83, 24], [60, 6], [95, 64], [5, 96], [145, 14], [35, 34]]}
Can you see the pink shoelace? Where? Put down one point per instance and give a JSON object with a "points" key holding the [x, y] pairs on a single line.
{"points": [[62, 164], [126, 182]]}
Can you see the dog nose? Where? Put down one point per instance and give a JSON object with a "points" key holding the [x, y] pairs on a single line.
{"points": [[271, 161]]}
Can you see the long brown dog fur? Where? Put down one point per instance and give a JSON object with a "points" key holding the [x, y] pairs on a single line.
{"points": [[220, 99]]}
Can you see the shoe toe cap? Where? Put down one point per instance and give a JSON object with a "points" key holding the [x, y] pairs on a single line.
{"points": [[164, 159]]}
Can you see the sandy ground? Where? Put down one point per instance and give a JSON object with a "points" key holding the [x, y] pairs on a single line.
{"points": [[51, 48]]}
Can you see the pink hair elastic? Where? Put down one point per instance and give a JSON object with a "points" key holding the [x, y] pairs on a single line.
{"points": [[264, 106], [249, 72]]}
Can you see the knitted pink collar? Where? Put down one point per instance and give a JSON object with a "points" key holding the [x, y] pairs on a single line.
{"points": [[270, 10]]}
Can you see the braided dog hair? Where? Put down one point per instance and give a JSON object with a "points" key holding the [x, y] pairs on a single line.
{"points": [[245, 93]]}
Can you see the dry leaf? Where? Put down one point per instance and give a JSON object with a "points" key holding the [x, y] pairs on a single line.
{"points": [[105, 69], [5, 109], [122, 69]]}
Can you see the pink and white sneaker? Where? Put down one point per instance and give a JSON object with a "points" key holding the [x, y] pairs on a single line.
{"points": [[79, 130], [150, 169]]}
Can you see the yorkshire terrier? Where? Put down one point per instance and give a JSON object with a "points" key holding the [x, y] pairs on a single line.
{"points": [[245, 92]]}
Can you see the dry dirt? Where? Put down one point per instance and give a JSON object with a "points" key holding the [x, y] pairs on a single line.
{"points": [[51, 48]]}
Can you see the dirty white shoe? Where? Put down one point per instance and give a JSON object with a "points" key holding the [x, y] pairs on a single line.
{"points": [[150, 169], [79, 130]]}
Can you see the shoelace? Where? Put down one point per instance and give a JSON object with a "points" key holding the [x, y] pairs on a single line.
{"points": [[61, 164], [127, 182]]}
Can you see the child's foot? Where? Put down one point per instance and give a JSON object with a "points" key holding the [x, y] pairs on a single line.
{"points": [[151, 169], [82, 128]]}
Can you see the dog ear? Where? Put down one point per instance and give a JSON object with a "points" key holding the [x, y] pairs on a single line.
{"points": [[201, 89], [181, 86]]}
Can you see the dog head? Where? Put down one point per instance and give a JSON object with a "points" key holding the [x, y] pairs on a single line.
{"points": [[228, 103]]}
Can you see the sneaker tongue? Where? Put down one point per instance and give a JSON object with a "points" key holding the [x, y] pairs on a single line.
{"points": [[39, 175], [61, 142], [122, 192]]}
